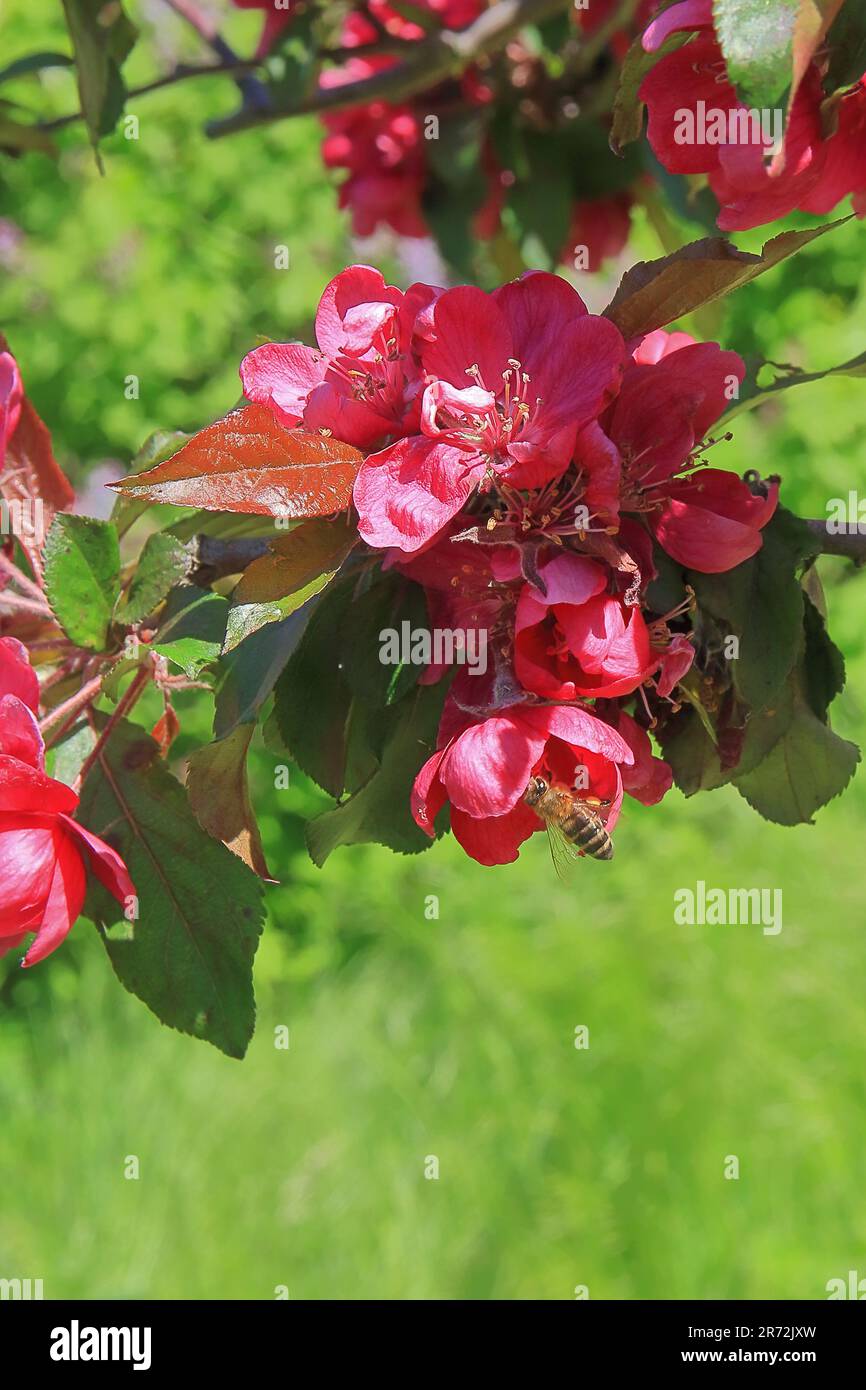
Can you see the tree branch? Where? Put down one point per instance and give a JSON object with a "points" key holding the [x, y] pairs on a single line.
{"points": [[182, 73], [446, 53], [851, 545], [212, 558], [254, 92]]}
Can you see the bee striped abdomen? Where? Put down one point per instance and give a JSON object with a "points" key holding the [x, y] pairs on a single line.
{"points": [[588, 834]]}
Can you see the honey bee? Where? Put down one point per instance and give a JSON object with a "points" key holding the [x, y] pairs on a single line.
{"points": [[573, 824]]}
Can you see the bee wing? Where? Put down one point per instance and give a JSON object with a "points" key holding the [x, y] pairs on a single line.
{"points": [[562, 852]]}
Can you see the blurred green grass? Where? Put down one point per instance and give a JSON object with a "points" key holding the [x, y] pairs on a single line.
{"points": [[412, 1037]]}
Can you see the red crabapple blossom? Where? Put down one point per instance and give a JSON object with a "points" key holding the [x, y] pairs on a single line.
{"points": [[45, 855], [814, 173], [526, 467]]}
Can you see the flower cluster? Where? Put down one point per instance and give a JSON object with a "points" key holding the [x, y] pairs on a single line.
{"points": [[384, 147], [524, 464], [817, 169], [45, 855]]}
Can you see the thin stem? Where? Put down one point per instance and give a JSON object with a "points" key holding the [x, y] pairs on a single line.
{"points": [[121, 710], [74, 705], [17, 576], [182, 73], [254, 92], [24, 605]]}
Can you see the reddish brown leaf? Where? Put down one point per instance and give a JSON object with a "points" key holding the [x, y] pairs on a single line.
{"points": [[247, 462], [220, 799], [166, 729], [654, 293]]}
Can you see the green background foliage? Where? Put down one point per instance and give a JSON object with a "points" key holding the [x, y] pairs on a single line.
{"points": [[410, 1036]]}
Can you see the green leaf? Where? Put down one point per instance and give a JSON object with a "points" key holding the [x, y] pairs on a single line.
{"points": [[808, 766], [192, 629], [247, 676], [67, 757], [162, 564], [847, 43], [379, 812], [391, 603], [627, 123], [761, 601], [455, 154], [540, 206], [102, 37], [34, 63], [692, 754], [221, 525], [82, 577], [189, 954], [655, 293], [756, 37], [824, 664], [298, 566], [449, 213], [313, 696]]}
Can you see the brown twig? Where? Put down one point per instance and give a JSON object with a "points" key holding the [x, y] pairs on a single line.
{"points": [[182, 73], [17, 576], [18, 603], [67, 709], [214, 559], [851, 544], [136, 688], [443, 54]]}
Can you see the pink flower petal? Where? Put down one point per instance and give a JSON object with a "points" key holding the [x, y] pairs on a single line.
{"points": [[27, 855], [712, 521], [282, 375], [20, 737], [428, 794], [690, 14], [352, 308], [495, 839], [579, 728], [409, 492], [105, 862], [17, 676], [64, 901], [487, 769], [25, 788], [468, 330]]}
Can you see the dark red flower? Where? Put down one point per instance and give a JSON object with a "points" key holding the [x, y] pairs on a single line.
{"points": [[646, 454], [45, 855], [578, 639], [600, 227], [690, 86], [511, 378], [363, 384], [483, 770]]}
